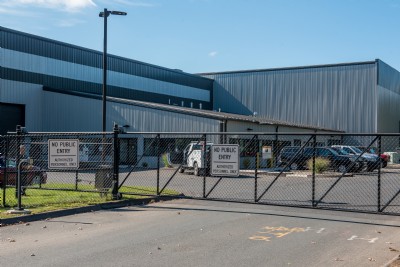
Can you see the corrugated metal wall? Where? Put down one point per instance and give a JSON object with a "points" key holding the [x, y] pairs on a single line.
{"points": [[388, 111], [69, 113], [33, 59], [26, 94], [388, 99], [340, 97]]}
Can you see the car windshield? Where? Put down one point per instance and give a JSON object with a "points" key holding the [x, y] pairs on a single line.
{"points": [[332, 151], [357, 150], [372, 150]]}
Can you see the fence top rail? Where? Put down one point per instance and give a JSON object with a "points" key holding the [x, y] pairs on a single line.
{"points": [[266, 133], [61, 133], [208, 133]]}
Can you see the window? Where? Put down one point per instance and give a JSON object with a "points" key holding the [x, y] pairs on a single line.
{"points": [[248, 147], [174, 146]]}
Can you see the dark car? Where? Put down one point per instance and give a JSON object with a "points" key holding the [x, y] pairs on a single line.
{"points": [[293, 157], [365, 163], [373, 150], [30, 174], [297, 157]]}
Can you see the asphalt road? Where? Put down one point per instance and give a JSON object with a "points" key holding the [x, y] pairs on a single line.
{"points": [[356, 192], [203, 233]]}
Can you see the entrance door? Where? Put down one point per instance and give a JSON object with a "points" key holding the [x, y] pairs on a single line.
{"points": [[128, 151]]}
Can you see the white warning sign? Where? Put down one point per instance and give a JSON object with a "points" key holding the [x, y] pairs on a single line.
{"points": [[63, 154], [225, 160]]}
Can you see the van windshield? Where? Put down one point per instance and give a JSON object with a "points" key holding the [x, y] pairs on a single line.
{"points": [[198, 147]]}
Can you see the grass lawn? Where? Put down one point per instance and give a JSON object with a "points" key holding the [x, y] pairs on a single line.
{"points": [[48, 199]]}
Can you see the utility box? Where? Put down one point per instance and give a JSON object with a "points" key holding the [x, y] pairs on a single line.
{"points": [[103, 178], [394, 157]]}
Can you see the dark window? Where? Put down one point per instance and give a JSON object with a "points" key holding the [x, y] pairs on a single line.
{"points": [[248, 147], [173, 146]]}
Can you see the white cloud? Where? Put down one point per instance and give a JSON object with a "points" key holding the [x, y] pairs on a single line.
{"points": [[213, 53], [69, 22], [134, 3], [65, 5], [8, 11]]}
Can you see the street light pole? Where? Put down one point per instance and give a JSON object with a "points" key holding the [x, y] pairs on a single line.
{"points": [[105, 14]]}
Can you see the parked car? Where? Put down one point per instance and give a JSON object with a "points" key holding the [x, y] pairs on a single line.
{"points": [[373, 150], [293, 157], [373, 160], [298, 158], [29, 173]]}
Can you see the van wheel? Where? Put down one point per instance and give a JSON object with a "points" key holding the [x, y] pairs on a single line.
{"points": [[196, 169], [181, 170], [342, 168]]}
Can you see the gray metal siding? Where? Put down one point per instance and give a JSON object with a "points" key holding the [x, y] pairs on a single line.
{"points": [[388, 77], [69, 113], [26, 94], [388, 99], [66, 75], [388, 110], [339, 97], [36, 45], [32, 59]]}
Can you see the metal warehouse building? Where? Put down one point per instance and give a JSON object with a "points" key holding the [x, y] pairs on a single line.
{"points": [[52, 86], [359, 97], [48, 85]]}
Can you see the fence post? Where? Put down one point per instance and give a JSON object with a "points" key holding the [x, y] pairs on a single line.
{"points": [[5, 181], [115, 193], [313, 170], [19, 133], [256, 167], [205, 164], [158, 164], [379, 172]]}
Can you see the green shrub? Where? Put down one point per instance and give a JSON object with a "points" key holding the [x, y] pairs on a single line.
{"points": [[246, 163], [165, 161], [321, 165]]}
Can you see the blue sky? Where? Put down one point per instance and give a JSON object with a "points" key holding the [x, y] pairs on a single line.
{"points": [[220, 35]]}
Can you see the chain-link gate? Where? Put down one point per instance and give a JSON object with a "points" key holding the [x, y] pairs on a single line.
{"points": [[329, 171]]}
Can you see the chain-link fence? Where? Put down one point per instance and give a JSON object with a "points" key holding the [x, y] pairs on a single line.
{"points": [[64, 169], [331, 171]]}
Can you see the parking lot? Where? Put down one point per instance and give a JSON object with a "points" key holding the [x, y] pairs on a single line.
{"points": [[356, 191]]}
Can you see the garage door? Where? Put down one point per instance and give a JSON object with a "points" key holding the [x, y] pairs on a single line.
{"points": [[11, 116]]}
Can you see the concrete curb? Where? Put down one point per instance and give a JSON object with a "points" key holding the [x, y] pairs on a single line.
{"points": [[319, 175], [90, 208]]}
